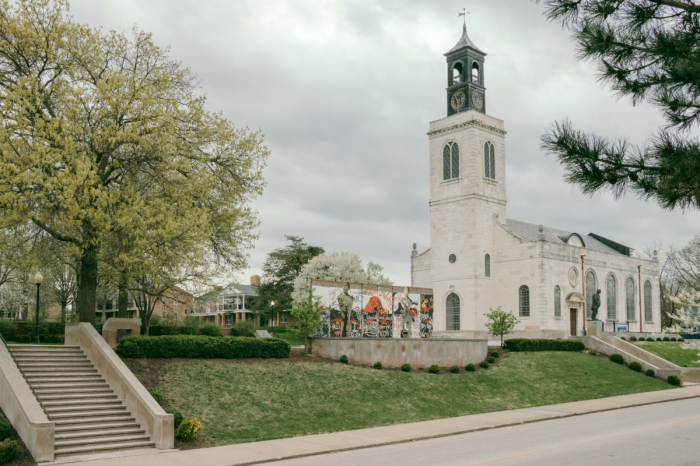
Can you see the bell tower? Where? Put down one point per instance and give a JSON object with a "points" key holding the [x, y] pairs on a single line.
{"points": [[465, 77]]}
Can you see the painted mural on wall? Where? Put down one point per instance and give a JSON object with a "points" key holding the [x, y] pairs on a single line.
{"points": [[378, 311]]}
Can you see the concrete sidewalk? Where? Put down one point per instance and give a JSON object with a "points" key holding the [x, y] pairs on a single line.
{"points": [[271, 450]]}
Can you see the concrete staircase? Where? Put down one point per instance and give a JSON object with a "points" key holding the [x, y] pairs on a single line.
{"points": [[88, 415]]}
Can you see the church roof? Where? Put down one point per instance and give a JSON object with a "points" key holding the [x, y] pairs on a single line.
{"points": [[465, 41], [529, 231]]}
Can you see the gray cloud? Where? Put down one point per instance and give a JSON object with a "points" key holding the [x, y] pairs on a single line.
{"points": [[344, 92]]}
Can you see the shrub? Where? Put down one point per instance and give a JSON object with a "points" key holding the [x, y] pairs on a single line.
{"points": [[650, 373], [377, 365], [177, 415], [659, 339], [617, 358], [52, 339], [633, 338], [5, 427], [8, 451], [246, 328], [494, 354], [454, 369], [7, 329], [406, 367], [635, 366], [491, 359], [650, 339], [157, 395], [344, 359], [210, 330], [434, 369], [623, 338], [543, 344], [681, 340], [673, 338], [484, 364], [667, 339], [673, 380], [189, 428], [202, 347], [470, 368]]}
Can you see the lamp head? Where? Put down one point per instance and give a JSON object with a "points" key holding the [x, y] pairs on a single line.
{"points": [[272, 303], [38, 278]]}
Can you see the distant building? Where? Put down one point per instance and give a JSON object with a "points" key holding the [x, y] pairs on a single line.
{"points": [[227, 305]]}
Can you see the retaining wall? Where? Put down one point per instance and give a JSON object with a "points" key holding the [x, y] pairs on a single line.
{"points": [[393, 352]]}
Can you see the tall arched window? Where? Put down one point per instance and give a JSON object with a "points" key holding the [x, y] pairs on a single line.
{"points": [[524, 298], [557, 301], [487, 265], [647, 302], [457, 73], [450, 161], [452, 312], [475, 72], [629, 295], [590, 291], [611, 293], [489, 161]]}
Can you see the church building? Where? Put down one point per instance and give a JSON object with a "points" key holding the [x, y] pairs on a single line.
{"points": [[479, 259]]}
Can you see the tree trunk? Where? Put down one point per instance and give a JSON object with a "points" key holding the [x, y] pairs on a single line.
{"points": [[345, 324], [87, 290], [64, 304], [123, 296]]}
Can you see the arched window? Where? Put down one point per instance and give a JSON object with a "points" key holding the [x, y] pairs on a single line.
{"points": [[611, 293], [457, 73], [487, 265], [489, 161], [524, 295], [590, 291], [647, 302], [557, 301], [493, 162], [450, 161], [629, 294], [475, 72], [452, 312]]}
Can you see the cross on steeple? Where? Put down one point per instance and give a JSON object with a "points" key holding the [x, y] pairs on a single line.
{"points": [[464, 13]]}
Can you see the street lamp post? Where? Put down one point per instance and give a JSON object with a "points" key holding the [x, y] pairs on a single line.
{"points": [[37, 279], [272, 313]]}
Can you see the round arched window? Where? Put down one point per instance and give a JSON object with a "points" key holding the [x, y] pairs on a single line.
{"points": [[453, 258]]}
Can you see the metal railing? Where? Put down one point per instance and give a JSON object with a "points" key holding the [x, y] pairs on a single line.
{"points": [[2, 339]]}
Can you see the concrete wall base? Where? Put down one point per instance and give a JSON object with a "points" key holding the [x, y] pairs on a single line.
{"points": [[111, 328]]}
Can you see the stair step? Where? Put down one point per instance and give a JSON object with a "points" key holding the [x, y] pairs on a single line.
{"points": [[100, 433], [62, 391], [54, 410], [85, 429], [69, 385], [22, 359], [96, 412], [29, 365], [80, 402], [107, 439], [88, 368], [64, 380], [122, 417], [29, 345], [106, 447], [50, 353], [81, 397], [42, 373]]}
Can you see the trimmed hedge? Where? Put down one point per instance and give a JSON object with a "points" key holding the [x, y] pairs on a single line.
{"points": [[344, 359], [543, 344], [189, 428], [202, 347], [490, 359], [673, 380], [650, 339], [377, 365], [406, 367], [434, 369], [484, 364], [454, 369], [494, 354], [667, 339], [617, 358], [5, 427], [470, 368], [673, 338], [633, 338], [8, 451], [650, 373], [659, 339], [635, 366]]}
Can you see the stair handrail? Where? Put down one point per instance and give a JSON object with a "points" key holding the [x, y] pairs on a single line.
{"points": [[24, 375]]}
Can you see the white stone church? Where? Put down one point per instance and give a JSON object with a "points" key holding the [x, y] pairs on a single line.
{"points": [[479, 259]]}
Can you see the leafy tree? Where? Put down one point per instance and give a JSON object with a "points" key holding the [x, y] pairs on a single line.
{"points": [[686, 318], [648, 50], [105, 136], [280, 269], [500, 322], [337, 266], [307, 313]]}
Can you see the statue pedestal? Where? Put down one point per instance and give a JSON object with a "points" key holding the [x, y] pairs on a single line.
{"points": [[594, 328]]}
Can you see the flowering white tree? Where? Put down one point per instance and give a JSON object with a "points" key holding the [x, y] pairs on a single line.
{"points": [[686, 317], [337, 266]]}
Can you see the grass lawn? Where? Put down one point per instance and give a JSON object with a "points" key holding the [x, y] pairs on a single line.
{"points": [[293, 340], [244, 401], [672, 351]]}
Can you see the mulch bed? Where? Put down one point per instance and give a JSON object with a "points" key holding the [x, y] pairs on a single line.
{"points": [[24, 458]]}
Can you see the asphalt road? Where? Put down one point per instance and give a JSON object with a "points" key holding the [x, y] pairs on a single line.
{"points": [[665, 434]]}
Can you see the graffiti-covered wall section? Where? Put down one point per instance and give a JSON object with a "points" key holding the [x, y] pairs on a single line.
{"points": [[378, 311]]}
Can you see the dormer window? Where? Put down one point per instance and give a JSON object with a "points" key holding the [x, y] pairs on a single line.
{"points": [[457, 73], [575, 240]]}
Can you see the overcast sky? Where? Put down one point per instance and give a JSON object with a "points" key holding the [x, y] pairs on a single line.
{"points": [[344, 92]]}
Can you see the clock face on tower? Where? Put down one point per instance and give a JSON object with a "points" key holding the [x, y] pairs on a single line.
{"points": [[477, 100], [458, 100]]}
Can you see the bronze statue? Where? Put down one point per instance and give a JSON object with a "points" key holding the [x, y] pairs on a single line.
{"points": [[595, 305], [345, 304]]}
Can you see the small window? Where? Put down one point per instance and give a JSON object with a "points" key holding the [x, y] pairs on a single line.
{"points": [[629, 294], [557, 301], [489, 161], [283, 318], [647, 302], [611, 291], [452, 313], [452, 258], [524, 295], [450, 161], [487, 265], [163, 300], [457, 73], [475, 72], [164, 315], [175, 315], [175, 302]]}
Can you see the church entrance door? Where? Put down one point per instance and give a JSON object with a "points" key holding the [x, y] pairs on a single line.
{"points": [[573, 322]]}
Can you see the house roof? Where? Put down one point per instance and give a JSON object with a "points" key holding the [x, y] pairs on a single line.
{"points": [[530, 231], [248, 290], [465, 41]]}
